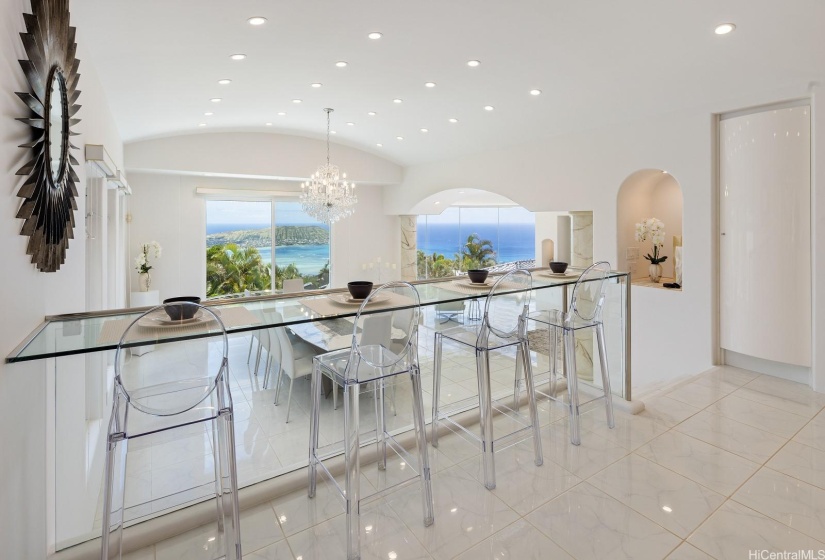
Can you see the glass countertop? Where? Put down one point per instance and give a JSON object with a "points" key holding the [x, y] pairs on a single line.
{"points": [[82, 333]]}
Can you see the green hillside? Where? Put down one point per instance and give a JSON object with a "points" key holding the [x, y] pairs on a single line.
{"points": [[284, 235]]}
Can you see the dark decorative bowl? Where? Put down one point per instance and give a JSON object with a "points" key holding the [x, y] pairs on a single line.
{"points": [[477, 276], [558, 267], [359, 289], [181, 308]]}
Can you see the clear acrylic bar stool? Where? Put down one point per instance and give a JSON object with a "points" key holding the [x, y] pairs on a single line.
{"points": [[503, 325], [182, 383], [585, 312], [371, 364]]}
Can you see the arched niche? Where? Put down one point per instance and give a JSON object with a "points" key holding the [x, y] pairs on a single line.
{"points": [[648, 193]]}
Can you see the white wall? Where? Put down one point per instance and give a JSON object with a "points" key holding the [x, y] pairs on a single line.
{"points": [[165, 209], [671, 336], [30, 295]]}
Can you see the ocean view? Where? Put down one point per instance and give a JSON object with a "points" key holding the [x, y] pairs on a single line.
{"points": [[512, 242]]}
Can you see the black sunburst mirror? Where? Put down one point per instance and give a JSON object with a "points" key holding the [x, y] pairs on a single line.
{"points": [[50, 188]]}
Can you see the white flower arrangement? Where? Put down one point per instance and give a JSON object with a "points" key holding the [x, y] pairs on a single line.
{"points": [[142, 260], [653, 229]]}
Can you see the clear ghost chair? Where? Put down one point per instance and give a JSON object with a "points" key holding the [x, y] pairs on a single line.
{"points": [[183, 383], [503, 325], [585, 312], [373, 363]]}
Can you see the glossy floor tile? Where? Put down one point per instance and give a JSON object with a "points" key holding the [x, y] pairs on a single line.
{"points": [[730, 465]]}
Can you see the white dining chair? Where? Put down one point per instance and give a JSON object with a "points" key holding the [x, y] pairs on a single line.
{"points": [[293, 285], [292, 358]]}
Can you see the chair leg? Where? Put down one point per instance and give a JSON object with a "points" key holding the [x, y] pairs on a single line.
{"points": [[289, 398], [249, 354], [572, 384], [486, 418], [258, 358], [380, 424], [519, 375], [531, 400], [352, 448], [114, 499], [278, 385], [437, 344], [421, 440], [216, 460], [608, 394], [316, 388], [553, 347], [229, 486]]}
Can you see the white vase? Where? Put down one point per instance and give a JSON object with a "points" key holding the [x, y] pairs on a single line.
{"points": [[144, 281], [655, 271]]}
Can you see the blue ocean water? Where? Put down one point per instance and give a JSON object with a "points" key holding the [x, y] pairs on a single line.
{"points": [[308, 258], [512, 242]]}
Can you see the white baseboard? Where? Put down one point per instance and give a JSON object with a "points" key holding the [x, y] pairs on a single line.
{"points": [[799, 374]]}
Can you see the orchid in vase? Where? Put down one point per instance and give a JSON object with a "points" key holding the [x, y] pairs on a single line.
{"points": [[142, 263], [654, 230]]}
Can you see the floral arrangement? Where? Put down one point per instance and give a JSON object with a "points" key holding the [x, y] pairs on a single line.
{"points": [[142, 260], [653, 229]]}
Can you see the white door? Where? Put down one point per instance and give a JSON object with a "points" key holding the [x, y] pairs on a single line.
{"points": [[765, 223]]}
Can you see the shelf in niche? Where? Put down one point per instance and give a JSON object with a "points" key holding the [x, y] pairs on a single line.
{"points": [[645, 282]]}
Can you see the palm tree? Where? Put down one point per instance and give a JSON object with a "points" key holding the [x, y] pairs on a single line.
{"points": [[231, 270], [477, 253]]}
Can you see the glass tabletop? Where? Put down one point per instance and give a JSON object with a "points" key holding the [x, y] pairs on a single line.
{"points": [[98, 331]]}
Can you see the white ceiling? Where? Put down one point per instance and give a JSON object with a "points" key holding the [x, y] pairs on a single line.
{"points": [[596, 61]]}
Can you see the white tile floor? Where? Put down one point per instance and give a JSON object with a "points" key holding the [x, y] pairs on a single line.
{"points": [[729, 463]]}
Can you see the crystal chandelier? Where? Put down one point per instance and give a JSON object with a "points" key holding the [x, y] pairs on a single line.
{"points": [[327, 196]]}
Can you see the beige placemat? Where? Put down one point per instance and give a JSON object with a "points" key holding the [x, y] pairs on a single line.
{"points": [[327, 306], [232, 317], [461, 287]]}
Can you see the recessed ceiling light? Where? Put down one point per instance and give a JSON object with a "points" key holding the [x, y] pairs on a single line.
{"points": [[424, 130], [341, 63], [429, 84], [317, 85], [375, 35], [473, 63], [372, 113], [436, 202], [296, 100], [269, 124], [225, 82], [256, 20], [488, 107], [215, 100], [350, 124], [399, 137], [667, 509], [453, 120], [208, 114], [535, 92], [239, 56], [202, 124], [281, 113], [396, 100], [724, 28], [380, 145]]}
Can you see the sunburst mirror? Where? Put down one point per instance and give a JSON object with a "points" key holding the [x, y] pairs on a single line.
{"points": [[51, 184]]}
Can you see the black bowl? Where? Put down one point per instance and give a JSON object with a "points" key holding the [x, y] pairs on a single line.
{"points": [[558, 267], [478, 276], [181, 308], [359, 289]]}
